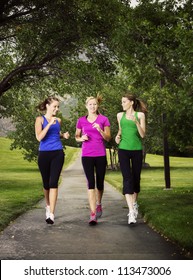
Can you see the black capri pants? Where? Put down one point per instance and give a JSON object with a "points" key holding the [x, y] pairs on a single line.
{"points": [[92, 165], [50, 165], [131, 165]]}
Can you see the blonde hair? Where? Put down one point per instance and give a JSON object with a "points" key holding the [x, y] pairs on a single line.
{"points": [[98, 99]]}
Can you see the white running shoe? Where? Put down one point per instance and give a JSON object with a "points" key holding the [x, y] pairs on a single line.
{"points": [[50, 220], [135, 209], [131, 218], [47, 212]]}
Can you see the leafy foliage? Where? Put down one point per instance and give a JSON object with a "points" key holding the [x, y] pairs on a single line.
{"points": [[36, 34], [77, 48]]}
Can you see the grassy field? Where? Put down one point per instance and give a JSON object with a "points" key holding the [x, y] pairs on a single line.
{"points": [[168, 211], [20, 182]]}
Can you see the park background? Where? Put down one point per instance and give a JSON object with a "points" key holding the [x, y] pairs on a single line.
{"points": [[74, 49]]}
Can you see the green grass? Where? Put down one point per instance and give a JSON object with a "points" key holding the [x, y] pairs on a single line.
{"points": [[168, 211], [20, 182]]}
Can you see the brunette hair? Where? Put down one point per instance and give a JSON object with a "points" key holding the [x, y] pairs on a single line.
{"points": [[48, 100], [138, 105]]}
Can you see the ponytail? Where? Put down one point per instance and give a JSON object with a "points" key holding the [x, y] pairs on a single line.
{"points": [[48, 100], [138, 105]]}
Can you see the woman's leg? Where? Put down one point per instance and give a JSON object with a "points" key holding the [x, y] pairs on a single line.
{"points": [[92, 200], [53, 195], [44, 167], [137, 157], [101, 164], [99, 195], [130, 201], [47, 196], [88, 166], [125, 165], [135, 196], [55, 171]]}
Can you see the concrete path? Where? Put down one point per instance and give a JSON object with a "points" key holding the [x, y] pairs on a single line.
{"points": [[71, 238]]}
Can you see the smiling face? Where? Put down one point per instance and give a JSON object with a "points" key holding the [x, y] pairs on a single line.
{"points": [[92, 105], [53, 107], [126, 103]]}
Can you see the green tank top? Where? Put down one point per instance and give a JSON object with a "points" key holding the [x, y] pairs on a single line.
{"points": [[130, 137]]}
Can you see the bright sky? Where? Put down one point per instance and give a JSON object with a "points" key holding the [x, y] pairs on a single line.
{"points": [[133, 2]]}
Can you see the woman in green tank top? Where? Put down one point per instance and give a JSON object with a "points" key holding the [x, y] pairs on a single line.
{"points": [[131, 131]]}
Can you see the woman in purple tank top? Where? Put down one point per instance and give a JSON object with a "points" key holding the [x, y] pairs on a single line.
{"points": [[51, 154], [91, 131]]}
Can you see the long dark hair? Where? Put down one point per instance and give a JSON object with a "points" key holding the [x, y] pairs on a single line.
{"points": [[138, 105], [48, 100]]}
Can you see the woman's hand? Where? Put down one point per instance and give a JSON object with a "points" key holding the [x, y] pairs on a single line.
{"points": [[97, 126], [84, 137], [52, 120], [118, 139], [66, 135], [106, 134]]}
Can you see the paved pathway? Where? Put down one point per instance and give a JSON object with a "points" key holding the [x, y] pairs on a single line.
{"points": [[71, 238]]}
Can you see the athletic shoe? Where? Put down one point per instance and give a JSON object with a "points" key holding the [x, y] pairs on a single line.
{"points": [[50, 220], [99, 210], [135, 209], [47, 212], [131, 218], [93, 219]]}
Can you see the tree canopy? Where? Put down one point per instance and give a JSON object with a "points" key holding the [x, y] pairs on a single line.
{"points": [[156, 49], [81, 47], [36, 35]]}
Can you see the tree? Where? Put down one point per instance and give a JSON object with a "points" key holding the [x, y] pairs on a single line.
{"points": [[155, 47], [42, 42], [139, 48], [36, 35]]}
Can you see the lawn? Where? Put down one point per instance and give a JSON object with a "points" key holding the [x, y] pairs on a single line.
{"points": [[20, 182], [168, 211]]}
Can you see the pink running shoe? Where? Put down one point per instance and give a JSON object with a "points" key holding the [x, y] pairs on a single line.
{"points": [[99, 210], [93, 219]]}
